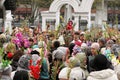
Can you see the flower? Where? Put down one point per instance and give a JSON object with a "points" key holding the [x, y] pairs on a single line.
{"points": [[35, 70], [9, 55], [21, 41]]}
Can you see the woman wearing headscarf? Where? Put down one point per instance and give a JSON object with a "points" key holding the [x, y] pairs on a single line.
{"points": [[102, 69]]}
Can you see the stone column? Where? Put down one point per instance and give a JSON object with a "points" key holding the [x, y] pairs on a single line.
{"points": [[8, 22], [89, 20], [101, 13], [68, 13], [76, 21], [57, 20], [43, 24]]}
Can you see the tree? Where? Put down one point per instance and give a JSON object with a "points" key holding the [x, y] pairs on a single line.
{"points": [[35, 6]]}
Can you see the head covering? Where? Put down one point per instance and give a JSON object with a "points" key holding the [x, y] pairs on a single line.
{"points": [[58, 54], [95, 46], [82, 58], [100, 62], [5, 70], [23, 63], [35, 46], [73, 62], [116, 49]]}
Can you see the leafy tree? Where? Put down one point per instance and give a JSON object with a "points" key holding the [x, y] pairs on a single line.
{"points": [[35, 6]]}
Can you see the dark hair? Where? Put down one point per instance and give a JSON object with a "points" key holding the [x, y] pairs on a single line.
{"points": [[34, 52], [17, 55], [56, 44], [77, 33], [31, 40], [21, 75], [71, 46], [102, 40]]}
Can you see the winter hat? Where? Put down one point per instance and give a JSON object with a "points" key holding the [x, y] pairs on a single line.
{"points": [[82, 57], [23, 63], [58, 54], [100, 62], [95, 46], [73, 62], [35, 46]]}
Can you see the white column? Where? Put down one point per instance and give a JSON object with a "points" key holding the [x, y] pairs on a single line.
{"points": [[76, 21], [68, 13], [65, 14], [89, 20], [8, 22], [101, 13], [98, 17], [57, 20], [43, 24]]}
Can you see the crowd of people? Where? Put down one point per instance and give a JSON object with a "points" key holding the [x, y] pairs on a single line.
{"points": [[28, 54]]}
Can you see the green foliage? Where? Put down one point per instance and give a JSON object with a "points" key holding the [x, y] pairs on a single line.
{"points": [[6, 62], [56, 68]]}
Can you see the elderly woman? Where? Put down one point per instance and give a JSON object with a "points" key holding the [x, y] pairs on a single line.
{"points": [[94, 51]]}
